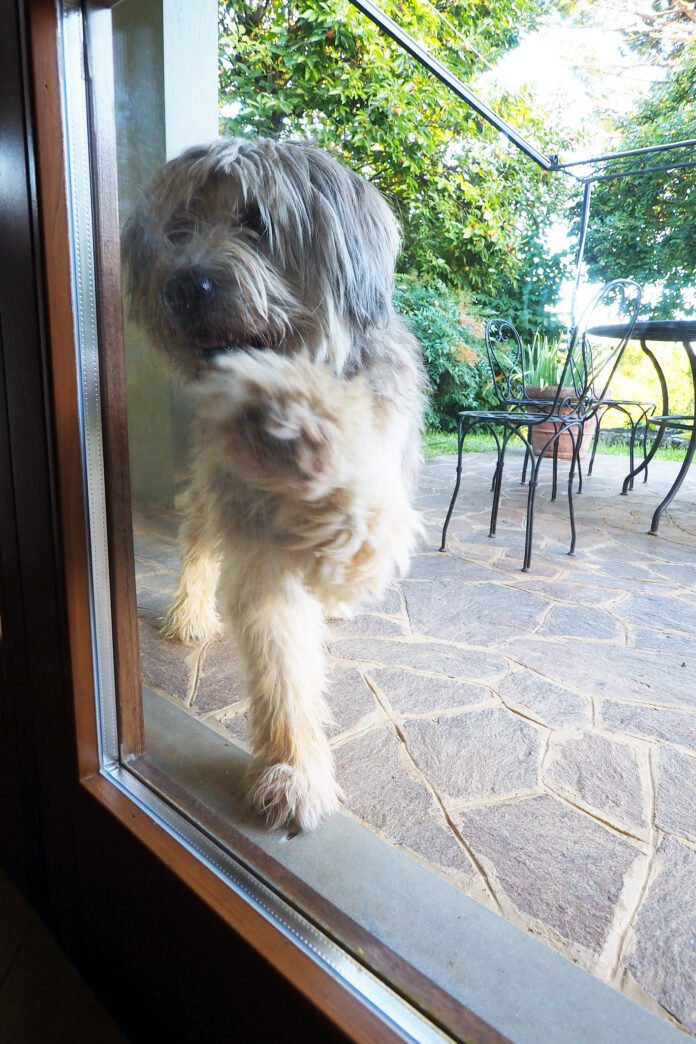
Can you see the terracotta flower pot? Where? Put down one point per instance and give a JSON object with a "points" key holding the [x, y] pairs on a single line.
{"points": [[541, 433]]}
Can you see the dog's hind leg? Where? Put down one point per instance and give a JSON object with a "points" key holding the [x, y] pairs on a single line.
{"points": [[193, 616], [279, 628]]}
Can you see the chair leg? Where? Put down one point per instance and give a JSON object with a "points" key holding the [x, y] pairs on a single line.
{"points": [[460, 447], [494, 433], [527, 457], [578, 461], [497, 485], [554, 483], [657, 442], [571, 509], [595, 442], [631, 450], [529, 529], [645, 446]]}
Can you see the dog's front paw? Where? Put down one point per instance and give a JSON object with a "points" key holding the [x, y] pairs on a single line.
{"points": [[334, 609], [288, 796], [191, 623], [275, 410]]}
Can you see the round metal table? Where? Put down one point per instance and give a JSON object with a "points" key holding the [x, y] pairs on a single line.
{"points": [[678, 331]]}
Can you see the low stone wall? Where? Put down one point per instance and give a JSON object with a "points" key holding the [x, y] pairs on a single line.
{"points": [[622, 437]]}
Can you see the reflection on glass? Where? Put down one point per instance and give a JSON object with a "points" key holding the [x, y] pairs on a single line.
{"points": [[495, 736]]}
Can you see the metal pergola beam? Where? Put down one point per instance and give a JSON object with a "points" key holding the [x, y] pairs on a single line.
{"points": [[689, 143], [457, 86], [463, 91], [635, 171]]}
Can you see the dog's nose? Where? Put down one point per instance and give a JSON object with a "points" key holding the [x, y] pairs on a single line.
{"points": [[187, 293]]}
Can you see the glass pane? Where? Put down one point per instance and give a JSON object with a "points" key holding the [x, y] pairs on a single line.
{"points": [[457, 758]]}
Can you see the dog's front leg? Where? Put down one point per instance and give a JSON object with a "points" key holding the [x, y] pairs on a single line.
{"points": [[193, 616], [280, 629]]}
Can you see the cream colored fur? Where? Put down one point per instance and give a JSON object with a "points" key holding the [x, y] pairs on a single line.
{"points": [[291, 495], [305, 449]]}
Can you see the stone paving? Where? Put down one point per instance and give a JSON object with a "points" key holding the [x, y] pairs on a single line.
{"points": [[531, 736]]}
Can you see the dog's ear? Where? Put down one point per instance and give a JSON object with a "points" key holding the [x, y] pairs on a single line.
{"points": [[356, 240]]}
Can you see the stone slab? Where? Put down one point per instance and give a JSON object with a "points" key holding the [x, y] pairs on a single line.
{"points": [[659, 613], [409, 693], [543, 700], [622, 568], [369, 626], [663, 957], [377, 778], [482, 754], [235, 722], [153, 604], [675, 803], [162, 581], [569, 590], [682, 574], [627, 674], [602, 775], [656, 723], [147, 544], [165, 665], [580, 622], [220, 679], [438, 566], [510, 979], [556, 866], [157, 552], [658, 641], [476, 615], [389, 604], [350, 700], [422, 656]]}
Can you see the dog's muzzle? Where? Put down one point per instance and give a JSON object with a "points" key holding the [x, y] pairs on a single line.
{"points": [[194, 301], [189, 294]]}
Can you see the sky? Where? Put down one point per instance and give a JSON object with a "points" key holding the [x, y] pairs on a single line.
{"points": [[583, 73]]}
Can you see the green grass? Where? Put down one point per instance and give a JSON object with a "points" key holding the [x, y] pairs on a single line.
{"points": [[437, 442]]}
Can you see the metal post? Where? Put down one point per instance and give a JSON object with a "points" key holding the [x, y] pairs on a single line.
{"points": [[584, 221]]}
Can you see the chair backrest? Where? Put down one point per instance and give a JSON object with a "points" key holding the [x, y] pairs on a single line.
{"points": [[506, 360], [591, 356], [597, 343]]}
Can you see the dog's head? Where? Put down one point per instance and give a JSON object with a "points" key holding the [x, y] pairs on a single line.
{"points": [[259, 243]]}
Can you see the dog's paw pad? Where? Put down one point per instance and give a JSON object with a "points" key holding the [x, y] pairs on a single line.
{"points": [[288, 797]]}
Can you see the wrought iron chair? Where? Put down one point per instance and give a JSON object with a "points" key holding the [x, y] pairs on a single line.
{"points": [[587, 370], [628, 407], [670, 423], [638, 415]]}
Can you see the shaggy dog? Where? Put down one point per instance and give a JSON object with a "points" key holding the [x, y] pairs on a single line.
{"points": [[263, 271]]}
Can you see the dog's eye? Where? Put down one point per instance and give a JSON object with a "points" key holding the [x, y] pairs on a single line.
{"points": [[178, 235], [251, 219]]}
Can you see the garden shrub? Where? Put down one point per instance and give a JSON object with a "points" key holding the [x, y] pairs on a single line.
{"points": [[452, 341]]}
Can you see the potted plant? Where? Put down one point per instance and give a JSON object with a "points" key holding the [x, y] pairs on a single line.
{"points": [[544, 362]]}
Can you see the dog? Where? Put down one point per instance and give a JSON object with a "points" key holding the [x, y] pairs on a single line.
{"points": [[263, 272]]}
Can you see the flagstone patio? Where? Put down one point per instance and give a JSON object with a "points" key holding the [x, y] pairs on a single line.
{"points": [[531, 736]]}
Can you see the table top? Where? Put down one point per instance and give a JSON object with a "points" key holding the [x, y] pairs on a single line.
{"points": [[651, 330]]}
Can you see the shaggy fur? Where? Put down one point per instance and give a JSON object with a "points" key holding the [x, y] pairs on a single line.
{"points": [[263, 271]]}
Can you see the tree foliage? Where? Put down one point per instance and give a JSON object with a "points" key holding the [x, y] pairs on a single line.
{"points": [[644, 225], [472, 209], [452, 343]]}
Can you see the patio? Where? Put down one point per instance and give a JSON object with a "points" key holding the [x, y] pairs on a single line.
{"points": [[530, 737]]}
